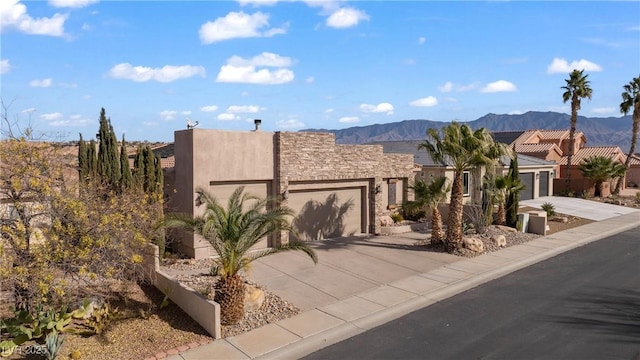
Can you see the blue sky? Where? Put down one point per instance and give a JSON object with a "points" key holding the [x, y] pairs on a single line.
{"points": [[304, 64]]}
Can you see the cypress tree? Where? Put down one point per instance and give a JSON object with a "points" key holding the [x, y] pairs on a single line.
{"points": [[126, 179], [138, 168], [114, 159], [512, 201], [149, 170], [108, 163], [83, 161], [92, 161], [159, 178]]}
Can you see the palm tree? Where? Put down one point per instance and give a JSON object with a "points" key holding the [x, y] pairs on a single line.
{"points": [[576, 89], [232, 232], [460, 147], [500, 186], [600, 169], [428, 197], [631, 99]]}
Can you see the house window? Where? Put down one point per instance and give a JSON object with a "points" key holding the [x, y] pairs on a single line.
{"points": [[465, 183], [392, 192]]}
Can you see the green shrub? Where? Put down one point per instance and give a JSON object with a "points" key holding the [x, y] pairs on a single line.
{"points": [[549, 208], [412, 214], [397, 218]]}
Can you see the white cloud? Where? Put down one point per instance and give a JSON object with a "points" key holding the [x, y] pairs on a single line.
{"points": [[290, 124], [257, 2], [450, 86], [310, 80], [209, 108], [329, 111], [246, 71], [165, 74], [68, 85], [40, 83], [168, 115], [71, 3], [346, 17], [384, 107], [265, 59], [186, 112], [238, 25], [228, 117], [349, 119], [51, 116], [14, 15], [29, 110], [5, 67], [499, 86], [428, 101], [244, 93], [517, 112], [604, 110], [560, 109], [422, 40], [560, 65], [250, 109], [149, 123]]}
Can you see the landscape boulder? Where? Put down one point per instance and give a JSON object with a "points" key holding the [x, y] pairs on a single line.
{"points": [[386, 220], [474, 244], [499, 240], [253, 297], [506, 228]]}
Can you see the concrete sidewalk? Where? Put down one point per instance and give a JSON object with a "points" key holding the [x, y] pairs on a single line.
{"points": [[362, 283]]}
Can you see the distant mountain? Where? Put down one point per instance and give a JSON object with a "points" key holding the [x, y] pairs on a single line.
{"points": [[599, 131]]}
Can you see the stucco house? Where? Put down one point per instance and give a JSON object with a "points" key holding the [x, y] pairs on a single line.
{"points": [[537, 174], [335, 190]]}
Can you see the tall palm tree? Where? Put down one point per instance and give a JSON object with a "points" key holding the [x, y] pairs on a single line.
{"points": [[462, 148], [600, 169], [576, 89], [428, 197], [232, 232], [630, 99]]}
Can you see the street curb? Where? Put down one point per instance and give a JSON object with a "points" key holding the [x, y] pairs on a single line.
{"points": [[345, 331]]}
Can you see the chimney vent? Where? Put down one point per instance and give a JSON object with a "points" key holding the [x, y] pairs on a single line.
{"points": [[257, 123]]}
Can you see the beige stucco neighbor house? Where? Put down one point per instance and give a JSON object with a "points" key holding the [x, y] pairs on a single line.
{"points": [[335, 190], [536, 174]]}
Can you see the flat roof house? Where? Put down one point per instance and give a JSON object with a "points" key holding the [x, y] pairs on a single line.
{"points": [[335, 190]]}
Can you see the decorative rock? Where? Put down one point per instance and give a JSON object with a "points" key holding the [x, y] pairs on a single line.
{"points": [[474, 244], [499, 240], [253, 297], [386, 220], [506, 228], [562, 219]]}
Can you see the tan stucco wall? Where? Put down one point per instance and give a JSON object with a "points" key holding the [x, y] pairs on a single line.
{"points": [[204, 156]]}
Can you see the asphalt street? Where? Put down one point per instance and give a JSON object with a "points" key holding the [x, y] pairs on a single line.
{"points": [[583, 304]]}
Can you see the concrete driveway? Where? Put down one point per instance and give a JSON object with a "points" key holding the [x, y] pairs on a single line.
{"points": [[587, 209]]}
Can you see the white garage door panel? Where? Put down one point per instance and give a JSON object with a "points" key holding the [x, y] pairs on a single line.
{"points": [[327, 214], [223, 192]]}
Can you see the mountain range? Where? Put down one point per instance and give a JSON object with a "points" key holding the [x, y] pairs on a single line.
{"points": [[599, 131]]}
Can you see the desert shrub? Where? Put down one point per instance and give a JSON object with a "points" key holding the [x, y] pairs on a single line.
{"points": [[477, 218], [397, 218], [412, 214], [549, 208], [638, 197]]}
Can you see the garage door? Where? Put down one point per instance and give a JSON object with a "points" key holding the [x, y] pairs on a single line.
{"points": [[544, 183], [527, 180], [223, 192], [328, 213]]}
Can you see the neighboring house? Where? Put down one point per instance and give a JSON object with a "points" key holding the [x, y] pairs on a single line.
{"points": [[554, 145], [633, 174], [335, 190], [537, 174]]}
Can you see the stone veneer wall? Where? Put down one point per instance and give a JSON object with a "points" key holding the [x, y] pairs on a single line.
{"points": [[309, 156]]}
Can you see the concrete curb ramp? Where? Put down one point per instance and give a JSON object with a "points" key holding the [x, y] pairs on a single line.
{"points": [[329, 324]]}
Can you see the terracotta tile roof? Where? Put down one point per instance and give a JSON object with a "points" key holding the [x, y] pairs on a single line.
{"points": [[554, 134], [613, 152], [168, 162], [536, 148], [524, 137]]}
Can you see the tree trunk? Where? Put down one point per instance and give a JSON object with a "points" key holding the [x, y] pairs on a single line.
{"points": [[454, 224], [572, 135], [437, 235], [501, 215], [230, 295], [634, 141]]}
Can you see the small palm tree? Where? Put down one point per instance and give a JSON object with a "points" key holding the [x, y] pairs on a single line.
{"points": [[600, 169], [232, 232], [462, 148], [630, 100], [428, 197], [576, 89], [500, 186]]}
